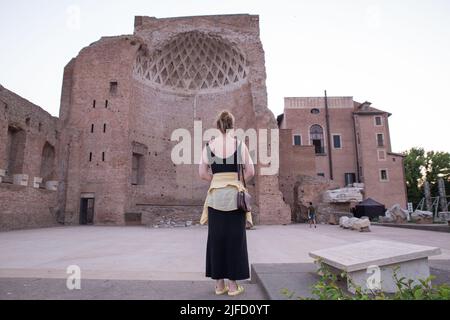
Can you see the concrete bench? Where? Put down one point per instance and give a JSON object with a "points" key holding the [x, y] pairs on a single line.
{"points": [[371, 264]]}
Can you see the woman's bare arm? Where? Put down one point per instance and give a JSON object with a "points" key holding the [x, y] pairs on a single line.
{"points": [[203, 171], [249, 168]]}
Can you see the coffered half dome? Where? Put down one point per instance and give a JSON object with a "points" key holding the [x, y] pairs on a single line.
{"points": [[193, 61]]}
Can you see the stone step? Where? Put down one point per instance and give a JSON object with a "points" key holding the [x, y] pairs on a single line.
{"points": [[274, 278]]}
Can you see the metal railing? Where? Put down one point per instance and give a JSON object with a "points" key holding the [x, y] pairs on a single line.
{"points": [[319, 150], [435, 204]]}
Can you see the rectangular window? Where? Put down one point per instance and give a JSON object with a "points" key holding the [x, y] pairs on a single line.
{"points": [[384, 175], [106, 103], [90, 156], [378, 121], [297, 140], [113, 87], [381, 155], [103, 156], [350, 178], [337, 141], [92, 128], [104, 127], [93, 104], [321, 174], [380, 139], [137, 169]]}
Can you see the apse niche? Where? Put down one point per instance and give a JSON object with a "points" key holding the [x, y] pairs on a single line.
{"points": [[193, 62]]}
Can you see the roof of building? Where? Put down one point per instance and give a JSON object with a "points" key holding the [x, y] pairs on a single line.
{"points": [[366, 108], [396, 154], [370, 202]]}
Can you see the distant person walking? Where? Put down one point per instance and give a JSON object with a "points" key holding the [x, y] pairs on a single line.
{"points": [[312, 215], [226, 249]]}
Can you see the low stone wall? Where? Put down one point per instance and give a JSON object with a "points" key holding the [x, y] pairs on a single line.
{"points": [[160, 215], [302, 189], [329, 213], [23, 207]]}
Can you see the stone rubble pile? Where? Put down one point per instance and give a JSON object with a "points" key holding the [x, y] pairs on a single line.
{"points": [[444, 216], [359, 224], [422, 217], [169, 223], [395, 214]]}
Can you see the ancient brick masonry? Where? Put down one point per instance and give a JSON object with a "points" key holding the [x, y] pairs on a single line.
{"points": [[122, 97], [28, 140], [353, 146]]}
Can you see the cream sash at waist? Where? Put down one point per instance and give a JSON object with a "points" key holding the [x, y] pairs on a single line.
{"points": [[221, 180]]}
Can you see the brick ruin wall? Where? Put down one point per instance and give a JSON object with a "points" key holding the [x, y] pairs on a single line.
{"points": [[147, 104], [28, 164], [300, 184]]}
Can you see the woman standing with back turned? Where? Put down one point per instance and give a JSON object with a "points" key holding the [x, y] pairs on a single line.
{"points": [[226, 249]]}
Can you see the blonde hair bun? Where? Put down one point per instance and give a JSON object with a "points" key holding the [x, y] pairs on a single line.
{"points": [[225, 121]]}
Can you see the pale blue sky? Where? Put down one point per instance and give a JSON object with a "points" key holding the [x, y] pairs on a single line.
{"points": [[393, 53]]}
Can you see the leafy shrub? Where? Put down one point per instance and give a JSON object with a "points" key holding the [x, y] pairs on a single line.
{"points": [[328, 288]]}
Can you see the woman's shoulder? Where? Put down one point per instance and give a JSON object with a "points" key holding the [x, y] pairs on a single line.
{"points": [[210, 141]]}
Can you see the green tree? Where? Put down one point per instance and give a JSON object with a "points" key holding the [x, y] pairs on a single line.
{"points": [[421, 165], [415, 163], [437, 165]]}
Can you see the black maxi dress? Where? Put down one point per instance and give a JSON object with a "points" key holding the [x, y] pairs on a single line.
{"points": [[226, 248]]}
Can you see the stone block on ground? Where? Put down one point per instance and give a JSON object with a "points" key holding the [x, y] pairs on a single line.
{"points": [[384, 219], [350, 194], [354, 223], [361, 225], [444, 216], [422, 217], [357, 259], [396, 214], [343, 221]]}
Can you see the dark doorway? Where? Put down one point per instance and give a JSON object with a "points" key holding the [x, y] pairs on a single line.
{"points": [[316, 136], [350, 178], [318, 148], [87, 211]]}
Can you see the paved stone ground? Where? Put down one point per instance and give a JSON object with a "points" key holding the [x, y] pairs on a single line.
{"points": [[55, 289], [33, 262]]}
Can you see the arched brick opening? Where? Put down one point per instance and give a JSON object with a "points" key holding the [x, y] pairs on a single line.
{"points": [[47, 162], [15, 150]]}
